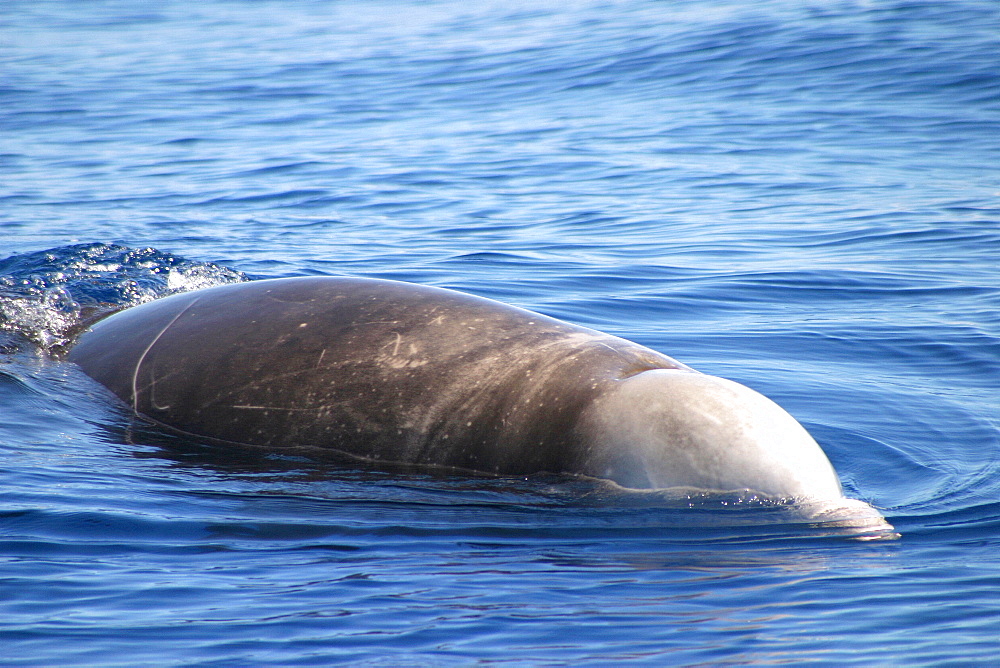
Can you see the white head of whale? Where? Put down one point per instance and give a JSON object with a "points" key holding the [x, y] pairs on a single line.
{"points": [[674, 428]]}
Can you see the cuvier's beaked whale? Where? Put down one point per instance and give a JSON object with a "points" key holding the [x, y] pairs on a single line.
{"points": [[397, 372]]}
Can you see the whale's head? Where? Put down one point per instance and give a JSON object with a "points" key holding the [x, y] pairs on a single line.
{"points": [[672, 428]]}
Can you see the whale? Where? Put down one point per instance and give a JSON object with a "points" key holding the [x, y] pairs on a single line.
{"points": [[394, 372]]}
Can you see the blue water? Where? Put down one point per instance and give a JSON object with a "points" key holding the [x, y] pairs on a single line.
{"points": [[803, 196]]}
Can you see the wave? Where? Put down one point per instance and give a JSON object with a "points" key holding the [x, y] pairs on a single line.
{"points": [[46, 296]]}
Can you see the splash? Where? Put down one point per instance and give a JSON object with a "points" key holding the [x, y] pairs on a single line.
{"points": [[46, 297]]}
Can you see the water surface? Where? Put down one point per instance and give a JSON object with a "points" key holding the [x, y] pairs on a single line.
{"points": [[798, 196]]}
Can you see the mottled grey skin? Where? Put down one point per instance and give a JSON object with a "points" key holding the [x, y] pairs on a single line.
{"points": [[379, 369], [396, 372]]}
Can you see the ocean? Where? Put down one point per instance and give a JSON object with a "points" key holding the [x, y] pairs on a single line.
{"points": [[802, 196]]}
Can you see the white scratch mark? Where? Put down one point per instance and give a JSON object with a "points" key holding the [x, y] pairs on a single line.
{"points": [[142, 358]]}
